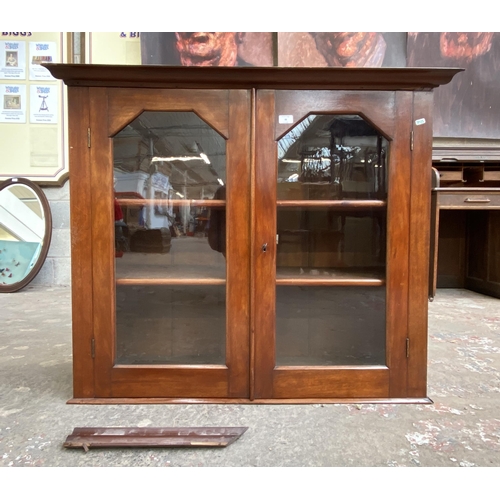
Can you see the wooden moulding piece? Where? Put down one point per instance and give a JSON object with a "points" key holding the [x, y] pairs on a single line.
{"points": [[150, 76], [153, 437]]}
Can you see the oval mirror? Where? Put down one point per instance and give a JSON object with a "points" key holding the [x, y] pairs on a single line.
{"points": [[25, 232]]}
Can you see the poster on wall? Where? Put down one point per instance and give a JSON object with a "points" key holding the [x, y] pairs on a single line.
{"points": [[13, 101], [342, 49], [114, 47], [43, 103], [12, 60], [469, 106], [41, 52], [207, 48]]}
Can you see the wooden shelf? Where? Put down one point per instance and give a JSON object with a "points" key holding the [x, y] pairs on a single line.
{"points": [[131, 202], [337, 204], [328, 277], [170, 281], [284, 277]]}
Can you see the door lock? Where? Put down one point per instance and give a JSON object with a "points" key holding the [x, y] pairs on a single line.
{"points": [[264, 247]]}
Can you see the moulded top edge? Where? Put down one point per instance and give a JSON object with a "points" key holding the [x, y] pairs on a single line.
{"points": [[105, 75]]}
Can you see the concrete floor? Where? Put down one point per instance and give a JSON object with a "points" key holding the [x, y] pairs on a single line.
{"points": [[461, 428]]}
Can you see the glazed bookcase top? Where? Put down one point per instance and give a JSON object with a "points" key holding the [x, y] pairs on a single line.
{"points": [[155, 76]]}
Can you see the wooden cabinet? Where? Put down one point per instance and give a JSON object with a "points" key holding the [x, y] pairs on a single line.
{"points": [[467, 251], [294, 210]]}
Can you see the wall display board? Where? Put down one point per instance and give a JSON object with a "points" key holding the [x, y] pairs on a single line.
{"points": [[32, 107]]}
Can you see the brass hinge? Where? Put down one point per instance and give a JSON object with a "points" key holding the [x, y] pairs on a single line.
{"points": [[407, 348], [411, 141], [88, 137], [92, 348]]}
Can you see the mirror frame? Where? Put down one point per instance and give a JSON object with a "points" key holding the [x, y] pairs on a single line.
{"points": [[46, 238]]}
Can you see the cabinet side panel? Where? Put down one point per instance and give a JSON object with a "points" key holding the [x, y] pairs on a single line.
{"points": [[419, 243], [398, 246], [81, 247]]}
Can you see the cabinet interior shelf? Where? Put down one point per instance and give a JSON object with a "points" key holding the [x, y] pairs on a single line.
{"points": [[170, 281], [283, 278], [339, 204], [130, 202]]}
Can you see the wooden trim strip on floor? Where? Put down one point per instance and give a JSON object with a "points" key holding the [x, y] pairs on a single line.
{"points": [[156, 437]]}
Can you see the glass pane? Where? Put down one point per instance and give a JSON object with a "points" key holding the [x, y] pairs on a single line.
{"points": [[330, 326], [170, 324], [328, 157], [331, 242], [169, 181]]}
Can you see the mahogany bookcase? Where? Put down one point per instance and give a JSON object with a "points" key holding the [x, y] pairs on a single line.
{"points": [[272, 237]]}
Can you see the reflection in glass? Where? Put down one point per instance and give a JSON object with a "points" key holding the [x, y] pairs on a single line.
{"points": [[169, 182], [170, 324], [22, 232], [170, 221], [328, 157], [331, 242], [322, 326], [331, 226]]}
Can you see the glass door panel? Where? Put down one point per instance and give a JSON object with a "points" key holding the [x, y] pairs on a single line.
{"points": [[336, 272], [170, 238], [331, 234]]}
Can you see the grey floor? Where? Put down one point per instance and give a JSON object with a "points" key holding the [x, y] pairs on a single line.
{"points": [[460, 429]]}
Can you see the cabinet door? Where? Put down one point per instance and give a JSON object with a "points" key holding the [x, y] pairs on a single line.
{"points": [[170, 174], [331, 247]]}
